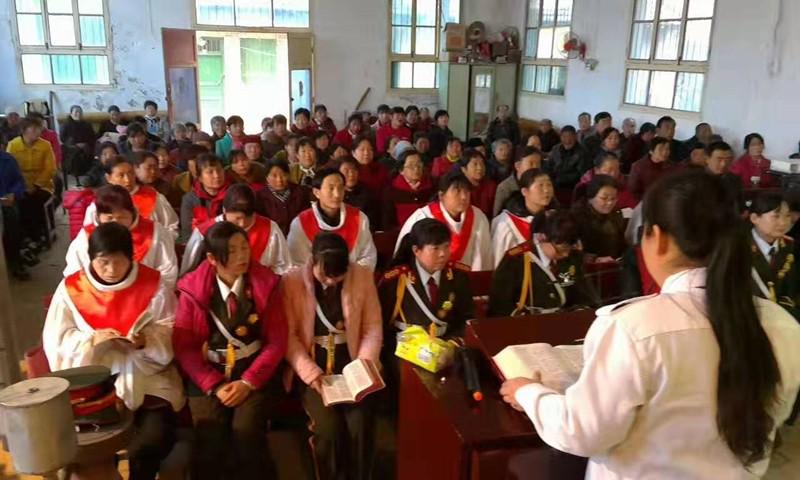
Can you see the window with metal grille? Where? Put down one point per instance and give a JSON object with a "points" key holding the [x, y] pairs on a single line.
{"points": [[544, 64], [668, 53], [63, 42], [416, 31]]}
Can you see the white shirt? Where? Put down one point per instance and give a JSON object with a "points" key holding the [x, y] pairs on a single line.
{"points": [[161, 255], [424, 276], [163, 213], [645, 404], [505, 235], [225, 290], [478, 254], [364, 253], [68, 342], [275, 256], [763, 246]]}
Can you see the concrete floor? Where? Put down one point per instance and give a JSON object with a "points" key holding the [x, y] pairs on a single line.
{"points": [[284, 445]]}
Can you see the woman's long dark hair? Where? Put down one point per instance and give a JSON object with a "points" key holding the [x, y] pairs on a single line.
{"points": [[694, 209], [427, 231]]}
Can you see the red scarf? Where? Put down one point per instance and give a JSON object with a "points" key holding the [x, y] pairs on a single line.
{"points": [[145, 201], [142, 235], [458, 241], [257, 235], [349, 230], [201, 214], [522, 225], [118, 310], [401, 183]]}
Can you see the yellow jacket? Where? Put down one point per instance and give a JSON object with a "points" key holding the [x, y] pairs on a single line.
{"points": [[37, 162]]}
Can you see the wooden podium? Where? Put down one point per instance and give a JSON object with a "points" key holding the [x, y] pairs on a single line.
{"points": [[443, 434]]}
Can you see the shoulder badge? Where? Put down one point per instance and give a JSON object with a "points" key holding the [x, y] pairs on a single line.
{"points": [[460, 266], [395, 272], [520, 249]]}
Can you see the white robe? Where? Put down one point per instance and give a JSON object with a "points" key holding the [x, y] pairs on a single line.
{"points": [[364, 253], [505, 236], [163, 213], [161, 255], [645, 404], [275, 256], [478, 254], [67, 341]]}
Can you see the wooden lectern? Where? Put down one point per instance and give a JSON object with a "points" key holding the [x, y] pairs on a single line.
{"points": [[443, 434]]}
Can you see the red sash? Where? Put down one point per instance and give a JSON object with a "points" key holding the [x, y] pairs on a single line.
{"points": [[257, 236], [458, 241], [523, 226], [145, 201], [348, 231], [142, 236], [118, 310]]}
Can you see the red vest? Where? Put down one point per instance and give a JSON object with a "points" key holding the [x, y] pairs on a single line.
{"points": [[348, 231], [522, 225], [118, 310], [458, 241], [145, 201], [142, 235], [257, 235]]}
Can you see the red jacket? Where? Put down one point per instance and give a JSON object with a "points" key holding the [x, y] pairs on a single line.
{"points": [[191, 330], [746, 168], [482, 196], [375, 177], [344, 138], [386, 132]]}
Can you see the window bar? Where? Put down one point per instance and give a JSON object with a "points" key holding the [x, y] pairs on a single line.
{"points": [[682, 37]]}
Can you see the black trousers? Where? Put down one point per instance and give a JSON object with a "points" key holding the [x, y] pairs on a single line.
{"points": [[232, 442], [12, 236], [153, 439], [343, 437], [33, 216]]}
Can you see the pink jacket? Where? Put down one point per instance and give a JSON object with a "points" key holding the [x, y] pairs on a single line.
{"points": [[191, 326], [362, 319]]}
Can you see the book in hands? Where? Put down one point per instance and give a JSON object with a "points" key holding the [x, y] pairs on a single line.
{"points": [[559, 366], [134, 330], [359, 378]]}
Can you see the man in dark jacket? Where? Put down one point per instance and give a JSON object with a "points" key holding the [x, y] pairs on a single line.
{"points": [[12, 188], [503, 127], [568, 160]]}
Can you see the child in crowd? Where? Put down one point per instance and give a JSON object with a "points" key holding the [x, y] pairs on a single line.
{"points": [[303, 126], [204, 201]]}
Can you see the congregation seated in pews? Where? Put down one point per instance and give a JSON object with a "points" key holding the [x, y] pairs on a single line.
{"points": [[303, 248]]}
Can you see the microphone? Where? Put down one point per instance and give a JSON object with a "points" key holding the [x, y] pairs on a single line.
{"points": [[470, 372]]}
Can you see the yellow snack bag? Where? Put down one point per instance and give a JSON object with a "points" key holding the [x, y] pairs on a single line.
{"points": [[416, 346]]}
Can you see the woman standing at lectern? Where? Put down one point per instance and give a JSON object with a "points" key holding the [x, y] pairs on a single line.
{"points": [[690, 383]]}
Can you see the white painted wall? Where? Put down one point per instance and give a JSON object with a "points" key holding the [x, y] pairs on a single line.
{"points": [[351, 45], [752, 83], [137, 58]]}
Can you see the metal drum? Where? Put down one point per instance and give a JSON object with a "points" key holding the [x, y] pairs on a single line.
{"points": [[38, 425]]}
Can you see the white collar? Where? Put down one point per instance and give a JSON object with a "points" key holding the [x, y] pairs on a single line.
{"points": [[455, 224], [685, 281], [424, 275], [763, 246], [117, 286], [224, 290], [545, 260], [321, 222]]}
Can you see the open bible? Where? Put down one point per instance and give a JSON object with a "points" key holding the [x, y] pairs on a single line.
{"points": [[359, 378], [559, 366], [134, 330]]}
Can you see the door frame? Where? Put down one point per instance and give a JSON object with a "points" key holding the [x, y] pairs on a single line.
{"points": [[168, 65], [299, 64]]}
